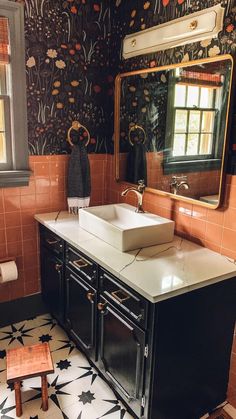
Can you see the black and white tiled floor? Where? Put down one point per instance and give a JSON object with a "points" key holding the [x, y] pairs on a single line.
{"points": [[75, 389]]}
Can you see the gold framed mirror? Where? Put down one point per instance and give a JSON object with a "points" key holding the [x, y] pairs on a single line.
{"points": [[171, 128]]}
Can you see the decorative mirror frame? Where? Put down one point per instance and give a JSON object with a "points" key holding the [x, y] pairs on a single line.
{"points": [[118, 81]]}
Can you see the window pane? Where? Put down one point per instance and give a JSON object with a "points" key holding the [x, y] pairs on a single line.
{"points": [[193, 95], [194, 121], [2, 119], [206, 144], [192, 147], [3, 69], [179, 145], [181, 120], [208, 121], [206, 100], [2, 148], [180, 95]]}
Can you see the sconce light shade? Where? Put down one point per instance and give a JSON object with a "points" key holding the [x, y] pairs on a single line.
{"points": [[198, 26]]}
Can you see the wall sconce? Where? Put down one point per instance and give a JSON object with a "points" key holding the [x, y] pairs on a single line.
{"points": [[198, 26]]}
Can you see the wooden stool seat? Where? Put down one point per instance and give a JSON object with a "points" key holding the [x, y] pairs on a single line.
{"points": [[28, 362]]}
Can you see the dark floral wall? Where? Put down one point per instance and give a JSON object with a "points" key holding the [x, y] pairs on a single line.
{"points": [[67, 71], [73, 53]]}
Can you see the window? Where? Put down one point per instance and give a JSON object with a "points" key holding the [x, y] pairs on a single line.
{"points": [[13, 120], [194, 119], [194, 139]]}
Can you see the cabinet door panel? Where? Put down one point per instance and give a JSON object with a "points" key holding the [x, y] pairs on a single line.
{"points": [[52, 283], [80, 311], [122, 346]]}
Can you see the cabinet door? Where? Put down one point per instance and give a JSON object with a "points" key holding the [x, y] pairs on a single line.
{"points": [[52, 283], [121, 354], [81, 301]]}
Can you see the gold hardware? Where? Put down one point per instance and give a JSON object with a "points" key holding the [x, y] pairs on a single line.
{"points": [[122, 297], [90, 296], [76, 125], [101, 306], [58, 267], [193, 25], [135, 127], [80, 263], [51, 241], [133, 42]]}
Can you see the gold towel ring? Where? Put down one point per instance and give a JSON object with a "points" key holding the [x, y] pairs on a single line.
{"points": [[133, 128], [76, 125]]}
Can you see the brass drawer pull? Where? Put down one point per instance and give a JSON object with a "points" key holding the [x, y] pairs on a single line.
{"points": [[52, 241], [120, 296], [101, 306], [90, 296], [58, 267], [80, 263]]}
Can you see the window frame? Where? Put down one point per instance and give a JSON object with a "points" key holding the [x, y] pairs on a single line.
{"points": [[18, 173], [189, 163]]}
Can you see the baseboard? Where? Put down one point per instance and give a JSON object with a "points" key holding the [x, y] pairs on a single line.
{"points": [[21, 309]]}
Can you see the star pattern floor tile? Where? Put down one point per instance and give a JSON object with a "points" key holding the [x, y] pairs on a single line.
{"points": [[75, 389]]}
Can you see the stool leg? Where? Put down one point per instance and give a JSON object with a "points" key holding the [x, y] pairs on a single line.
{"points": [[44, 393], [18, 398]]}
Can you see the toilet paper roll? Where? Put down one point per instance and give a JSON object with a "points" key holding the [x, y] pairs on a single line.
{"points": [[8, 272]]}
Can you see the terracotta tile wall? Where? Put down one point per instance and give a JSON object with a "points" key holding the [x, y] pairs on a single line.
{"points": [[18, 230], [215, 229]]}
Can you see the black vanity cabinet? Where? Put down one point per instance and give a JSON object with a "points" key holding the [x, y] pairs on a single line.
{"points": [[81, 300], [121, 341], [166, 360], [52, 272]]}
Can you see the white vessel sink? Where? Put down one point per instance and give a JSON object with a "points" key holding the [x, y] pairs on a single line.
{"points": [[121, 227]]}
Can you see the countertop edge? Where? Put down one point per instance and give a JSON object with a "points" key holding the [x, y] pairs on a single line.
{"points": [[164, 296]]}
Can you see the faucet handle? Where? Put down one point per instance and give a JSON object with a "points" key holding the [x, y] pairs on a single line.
{"points": [[141, 185]]}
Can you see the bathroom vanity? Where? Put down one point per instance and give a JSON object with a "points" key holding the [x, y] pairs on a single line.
{"points": [[157, 324]]}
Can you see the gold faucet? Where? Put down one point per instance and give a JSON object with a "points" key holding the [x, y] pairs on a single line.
{"points": [[178, 182], [138, 190]]}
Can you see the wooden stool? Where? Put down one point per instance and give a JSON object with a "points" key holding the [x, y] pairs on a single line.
{"points": [[28, 362]]}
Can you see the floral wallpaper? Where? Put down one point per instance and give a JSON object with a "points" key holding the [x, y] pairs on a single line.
{"points": [[73, 53], [67, 71], [144, 104]]}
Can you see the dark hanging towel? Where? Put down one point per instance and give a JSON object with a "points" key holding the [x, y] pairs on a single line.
{"points": [[79, 182], [136, 164]]}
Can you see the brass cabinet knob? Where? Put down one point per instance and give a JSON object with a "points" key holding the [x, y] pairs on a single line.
{"points": [[101, 306], [58, 266], [193, 25], [90, 296]]}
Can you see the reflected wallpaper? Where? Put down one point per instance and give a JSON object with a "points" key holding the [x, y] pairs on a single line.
{"points": [[73, 53]]}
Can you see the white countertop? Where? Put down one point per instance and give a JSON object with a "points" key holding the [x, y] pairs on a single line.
{"points": [[157, 272]]}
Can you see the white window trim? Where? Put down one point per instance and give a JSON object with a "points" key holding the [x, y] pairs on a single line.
{"points": [[19, 173]]}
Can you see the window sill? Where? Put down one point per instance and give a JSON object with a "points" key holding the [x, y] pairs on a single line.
{"points": [[191, 166], [14, 178]]}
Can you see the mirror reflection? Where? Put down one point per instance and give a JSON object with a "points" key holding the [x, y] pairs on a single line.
{"points": [[171, 126]]}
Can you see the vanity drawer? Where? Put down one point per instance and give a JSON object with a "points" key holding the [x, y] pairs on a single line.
{"points": [[128, 300], [52, 241], [81, 264]]}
